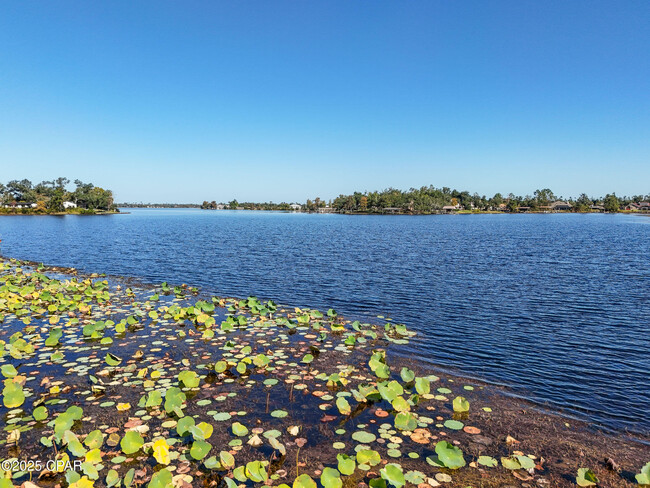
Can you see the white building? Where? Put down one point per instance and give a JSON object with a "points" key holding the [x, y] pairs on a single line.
{"points": [[67, 205]]}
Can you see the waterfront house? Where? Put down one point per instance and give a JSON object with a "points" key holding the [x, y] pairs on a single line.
{"points": [[560, 205], [68, 205], [450, 208], [391, 210], [638, 207], [296, 207], [523, 209], [597, 208], [324, 210]]}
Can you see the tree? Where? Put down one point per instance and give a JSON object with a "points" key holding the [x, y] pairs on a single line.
{"points": [[544, 196], [364, 203], [233, 205], [20, 190], [81, 196], [583, 203], [45, 188], [40, 207], [56, 201], [61, 182], [611, 203]]}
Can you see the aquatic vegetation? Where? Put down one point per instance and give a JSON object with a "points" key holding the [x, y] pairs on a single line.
{"points": [[586, 477], [643, 478], [461, 404], [161, 387]]}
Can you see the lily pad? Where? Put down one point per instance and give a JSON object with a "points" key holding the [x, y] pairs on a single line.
{"points": [[131, 443]]}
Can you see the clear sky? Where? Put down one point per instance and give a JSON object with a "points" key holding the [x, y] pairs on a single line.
{"points": [[272, 100]]}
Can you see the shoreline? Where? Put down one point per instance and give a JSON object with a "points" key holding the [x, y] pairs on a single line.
{"points": [[59, 214], [559, 446], [408, 214]]}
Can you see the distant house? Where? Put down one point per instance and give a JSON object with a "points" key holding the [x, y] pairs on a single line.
{"points": [[68, 205], [502, 207], [523, 209], [391, 210], [33, 205], [296, 207], [450, 208], [597, 208], [220, 206], [638, 207], [560, 205], [324, 210]]}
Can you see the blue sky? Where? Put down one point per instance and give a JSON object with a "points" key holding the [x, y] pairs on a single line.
{"points": [[192, 101]]}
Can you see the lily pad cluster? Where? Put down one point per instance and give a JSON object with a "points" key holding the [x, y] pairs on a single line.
{"points": [[161, 387]]}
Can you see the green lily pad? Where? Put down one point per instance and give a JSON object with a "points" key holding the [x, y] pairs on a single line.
{"points": [[40, 413], [200, 449], [643, 478], [363, 437], [586, 477], [393, 474], [304, 481], [189, 379], [460, 404], [449, 456], [454, 424], [239, 430], [131, 443], [331, 478], [12, 395], [346, 464], [488, 461]]}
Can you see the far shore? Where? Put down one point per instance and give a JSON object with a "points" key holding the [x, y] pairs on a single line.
{"points": [[60, 214], [458, 212]]}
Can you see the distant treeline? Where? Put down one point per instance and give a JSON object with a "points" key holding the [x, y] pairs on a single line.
{"points": [[158, 205], [428, 200], [235, 205], [54, 197]]}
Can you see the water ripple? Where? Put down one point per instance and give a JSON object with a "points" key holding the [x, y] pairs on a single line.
{"points": [[554, 306]]}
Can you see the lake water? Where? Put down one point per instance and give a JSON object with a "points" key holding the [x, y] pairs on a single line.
{"points": [[554, 306]]}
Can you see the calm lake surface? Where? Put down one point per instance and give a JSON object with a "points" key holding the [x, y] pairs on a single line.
{"points": [[557, 307]]}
